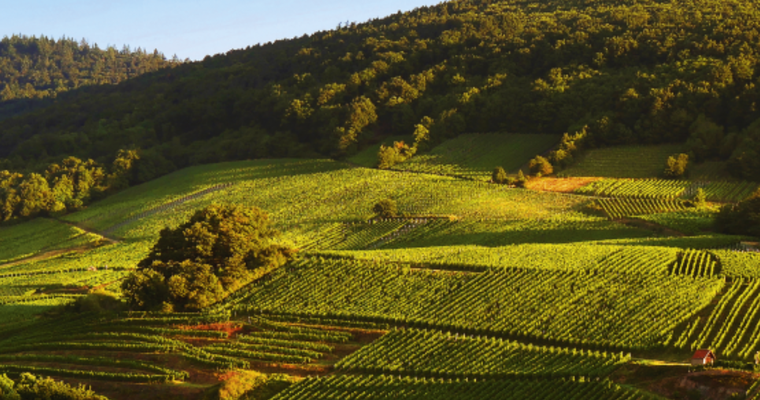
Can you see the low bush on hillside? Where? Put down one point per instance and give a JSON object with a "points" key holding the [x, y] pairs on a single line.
{"points": [[219, 250]]}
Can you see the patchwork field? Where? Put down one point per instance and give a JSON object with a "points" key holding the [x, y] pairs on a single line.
{"points": [[473, 291]]}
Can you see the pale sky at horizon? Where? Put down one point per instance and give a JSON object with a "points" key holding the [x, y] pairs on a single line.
{"points": [[189, 28]]}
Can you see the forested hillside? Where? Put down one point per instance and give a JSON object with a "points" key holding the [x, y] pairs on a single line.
{"points": [[636, 71], [34, 68]]}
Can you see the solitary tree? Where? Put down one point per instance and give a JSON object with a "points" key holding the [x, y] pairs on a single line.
{"points": [[499, 175], [385, 208], [676, 165], [700, 198], [220, 249], [521, 179], [540, 166]]}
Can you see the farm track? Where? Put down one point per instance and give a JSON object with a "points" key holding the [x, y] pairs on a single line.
{"points": [[50, 254]]}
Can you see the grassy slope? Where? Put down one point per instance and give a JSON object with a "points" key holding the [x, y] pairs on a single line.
{"points": [[475, 156], [624, 162]]}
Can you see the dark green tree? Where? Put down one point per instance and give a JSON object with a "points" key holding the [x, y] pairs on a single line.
{"points": [[499, 175], [740, 219], [540, 166], [676, 166], [385, 208], [219, 250]]}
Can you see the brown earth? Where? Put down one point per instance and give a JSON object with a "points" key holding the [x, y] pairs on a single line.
{"points": [[677, 382]]}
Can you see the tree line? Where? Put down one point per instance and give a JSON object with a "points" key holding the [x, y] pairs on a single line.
{"points": [[605, 72], [70, 184], [36, 68]]}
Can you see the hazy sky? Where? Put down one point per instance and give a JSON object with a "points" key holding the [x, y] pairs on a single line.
{"points": [[189, 28]]}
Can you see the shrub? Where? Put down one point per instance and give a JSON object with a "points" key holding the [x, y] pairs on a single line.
{"points": [[385, 208], [676, 166], [98, 301], [31, 387], [521, 179], [740, 219], [540, 166], [499, 175], [220, 249], [389, 156]]}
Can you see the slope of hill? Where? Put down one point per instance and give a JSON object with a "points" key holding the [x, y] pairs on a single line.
{"points": [[638, 71], [470, 269]]}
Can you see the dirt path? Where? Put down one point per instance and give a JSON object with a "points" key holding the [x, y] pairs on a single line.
{"points": [[50, 254], [111, 239]]}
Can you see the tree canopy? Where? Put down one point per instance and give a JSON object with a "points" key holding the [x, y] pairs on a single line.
{"points": [[607, 72], [33, 68], [217, 251]]}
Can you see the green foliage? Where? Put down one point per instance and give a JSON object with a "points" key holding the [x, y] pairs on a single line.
{"points": [[540, 166], [38, 68], [388, 156], [68, 186], [250, 385], [700, 198], [499, 175], [220, 249], [676, 166], [473, 156], [98, 301], [386, 208], [706, 137], [31, 387], [521, 179], [742, 218]]}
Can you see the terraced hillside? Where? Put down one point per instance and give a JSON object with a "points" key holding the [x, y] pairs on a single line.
{"points": [[474, 290]]}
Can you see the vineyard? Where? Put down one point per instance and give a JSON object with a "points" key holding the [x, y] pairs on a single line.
{"points": [[654, 189], [474, 156], [446, 355], [474, 290], [382, 387], [733, 327], [617, 208], [569, 308]]}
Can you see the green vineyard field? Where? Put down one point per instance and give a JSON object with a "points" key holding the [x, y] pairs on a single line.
{"points": [[412, 352], [382, 387]]}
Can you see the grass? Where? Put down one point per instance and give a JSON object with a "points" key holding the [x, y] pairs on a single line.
{"points": [[368, 157], [624, 162], [475, 156], [42, 234]]}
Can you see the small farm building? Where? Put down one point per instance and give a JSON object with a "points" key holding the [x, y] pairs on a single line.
{"points": [[702, 357]]}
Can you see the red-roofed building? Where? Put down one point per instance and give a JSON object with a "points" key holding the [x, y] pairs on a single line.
{"points": [[703, 357]]}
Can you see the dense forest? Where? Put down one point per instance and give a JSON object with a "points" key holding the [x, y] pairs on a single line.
{"points": [[32, 69], [607, 72]]}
